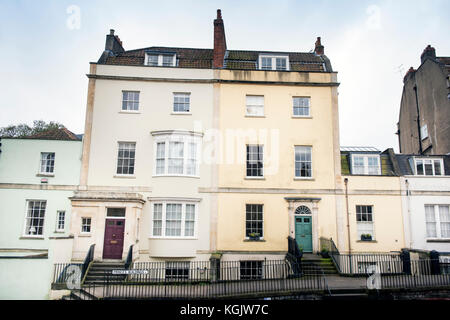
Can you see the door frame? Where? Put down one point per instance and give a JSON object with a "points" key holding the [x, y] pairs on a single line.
{"points": [[311, 226], [313, 205], [104, 233]]}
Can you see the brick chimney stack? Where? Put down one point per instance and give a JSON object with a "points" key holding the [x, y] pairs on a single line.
{"points": [[220, 43], [428, 53], [319, 48], [113, 43]]}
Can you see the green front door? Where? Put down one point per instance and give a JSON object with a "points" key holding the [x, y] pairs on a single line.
{"points": [[303, 233]]}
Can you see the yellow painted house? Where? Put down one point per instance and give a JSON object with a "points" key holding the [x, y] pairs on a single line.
{"points": [[280, 153]]}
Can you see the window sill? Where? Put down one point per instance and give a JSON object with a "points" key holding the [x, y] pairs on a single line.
{"points": [[174, 176], [124, 176], [129, 112], [32, 238], [301, 117], [85, 235], [304, 179], [181, 113], [251, 116], [172, 238], [45, 175], [443, 240], [365, 241], [254, 178], [59, 231], [251, 240]]}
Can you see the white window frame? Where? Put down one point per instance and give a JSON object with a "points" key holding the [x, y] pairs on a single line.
{"points": [[42, 161], [185, 139], [261, 236], [83, 224], [437, 221], [295, 163], [132, 101], [160, 59], [366, 163], [247, 162], [259, 107], [299, 115], [432, 160], [58, 220], [424, 132], [179, 94], [25, 233], [274, 61], [117, 160], [183, 204], [371, 223]]}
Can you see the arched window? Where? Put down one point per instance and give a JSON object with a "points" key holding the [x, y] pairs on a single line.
{"points": [[302, 210]]}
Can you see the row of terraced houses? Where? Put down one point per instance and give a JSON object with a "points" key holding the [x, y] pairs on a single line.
{"points": [[198, 154]]}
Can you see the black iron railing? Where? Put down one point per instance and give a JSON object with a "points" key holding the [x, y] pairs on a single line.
{"points": [[156, 280], [294, 255], [422, 275], [89, 258], [129, 259]]}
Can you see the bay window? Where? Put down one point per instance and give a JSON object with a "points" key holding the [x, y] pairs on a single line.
{"points": [[174, 219]]}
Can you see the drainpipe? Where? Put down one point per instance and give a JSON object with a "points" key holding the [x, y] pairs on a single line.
{"points": [[348, 224], [418, 120], [408, 205]]}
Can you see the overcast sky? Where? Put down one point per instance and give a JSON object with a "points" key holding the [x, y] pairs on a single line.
{"points": [[46, 50]]}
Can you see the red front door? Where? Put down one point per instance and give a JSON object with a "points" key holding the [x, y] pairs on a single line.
{"points": [[114, 234]]}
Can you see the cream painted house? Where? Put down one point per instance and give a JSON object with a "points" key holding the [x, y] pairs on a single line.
{"points": [[171, 156], [373, 201]]}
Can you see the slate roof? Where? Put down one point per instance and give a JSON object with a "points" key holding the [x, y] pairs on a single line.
{"points": [[445, 61], [54, 134], [234, 59], [405, 167], [386, 158]]}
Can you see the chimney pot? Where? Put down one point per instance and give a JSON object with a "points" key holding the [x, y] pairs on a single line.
{"points": [[429, 52], [319, 48], [219, 14], [111, 32]]}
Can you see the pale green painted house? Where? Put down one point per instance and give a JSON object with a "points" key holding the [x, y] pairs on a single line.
{"points": [[38, 174]]}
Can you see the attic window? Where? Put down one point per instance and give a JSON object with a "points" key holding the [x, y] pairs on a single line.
{"points": [[273, 62], [428, 167], [161, 60], [366, 164]]}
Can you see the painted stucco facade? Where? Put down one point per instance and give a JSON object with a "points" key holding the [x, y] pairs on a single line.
{"points": [[27, 260], [107, 125], [279, 131]]}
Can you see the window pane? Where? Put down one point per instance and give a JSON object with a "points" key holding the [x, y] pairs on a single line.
{"points": [[47, 162], [168, 61], [35, 217], [152, 60], [437, 167], [303, 164], [181, 102], [255, 105], [125, 158], [281, 63], [419, 167], [301, 106], [130, 100], [157, 219], [176, 157], [430, 221], [173, 219], [254, 160], [254, 219], [160, 157], [266, 63]]}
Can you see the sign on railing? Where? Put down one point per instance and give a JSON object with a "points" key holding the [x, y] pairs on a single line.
{"points": [[121, 271]]}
